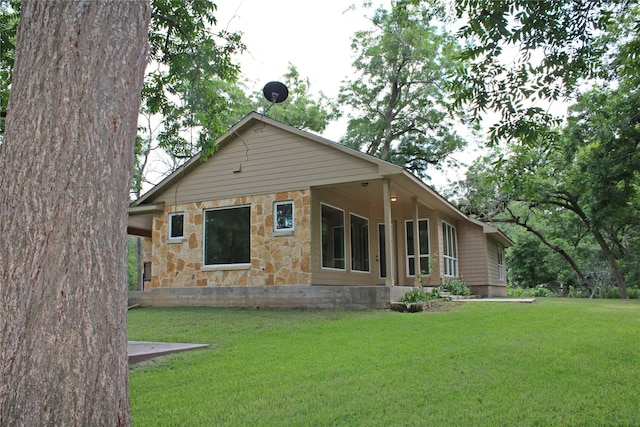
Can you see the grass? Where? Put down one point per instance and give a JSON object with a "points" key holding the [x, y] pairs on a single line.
{"points": [[558, 362]]}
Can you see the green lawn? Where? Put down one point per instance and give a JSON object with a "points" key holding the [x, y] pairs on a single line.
{"points": [[557, 362]]}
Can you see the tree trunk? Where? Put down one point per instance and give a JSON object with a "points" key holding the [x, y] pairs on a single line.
{"points": [[613, 263], [65, 169]]}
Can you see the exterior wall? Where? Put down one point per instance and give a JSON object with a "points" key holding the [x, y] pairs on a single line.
{"points": [[472, 253], [275, 260], [373, 212], [303, 296], [478, 255], [494, 277], [326, 276], [147, 249], [265, 160]]}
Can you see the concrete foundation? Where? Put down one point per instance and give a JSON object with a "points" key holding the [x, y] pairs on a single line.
{"points": [[290, 296]]}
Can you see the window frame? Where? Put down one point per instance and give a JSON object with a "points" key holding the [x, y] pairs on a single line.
{"points": [[421, 255], [287, 230], [368, 245], [501, 269], [450, 254], [170, 231], [333, 231], [237, 265]]}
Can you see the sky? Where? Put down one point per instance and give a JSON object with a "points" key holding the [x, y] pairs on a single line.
{"points": [[312, 35]]}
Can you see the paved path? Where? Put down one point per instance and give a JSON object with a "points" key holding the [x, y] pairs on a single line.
{"points": [[521, 300], [139, 351]]}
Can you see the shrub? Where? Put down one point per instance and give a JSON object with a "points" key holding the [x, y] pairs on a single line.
{"points": [[612, 292], [537, 292], [455, 287], [419, 295]]}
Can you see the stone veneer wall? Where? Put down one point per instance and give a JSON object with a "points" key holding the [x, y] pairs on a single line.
{"points": [[283, 259]]}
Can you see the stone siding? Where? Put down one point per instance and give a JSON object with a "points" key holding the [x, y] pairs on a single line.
{"points": [[276, 259]]}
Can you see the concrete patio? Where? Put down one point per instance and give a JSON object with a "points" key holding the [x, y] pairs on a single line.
{"points": [[140, 351]]}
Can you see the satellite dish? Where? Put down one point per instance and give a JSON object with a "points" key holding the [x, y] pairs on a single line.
{"points": [[275, 92]]}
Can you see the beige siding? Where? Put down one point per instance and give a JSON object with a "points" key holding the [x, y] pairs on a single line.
{"points": [[325, 276], [472, 254], [373, 212], [266, 160]]}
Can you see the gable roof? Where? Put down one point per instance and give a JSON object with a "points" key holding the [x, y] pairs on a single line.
{"points": [[502, 238], [382, 167], [397, 174]]}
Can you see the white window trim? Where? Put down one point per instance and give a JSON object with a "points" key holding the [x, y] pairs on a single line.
{"points": [[283, 231], [368, 246], [344, 237], [453, 257], [501, 264], [212, 267], [406, 247], [175, 239]]}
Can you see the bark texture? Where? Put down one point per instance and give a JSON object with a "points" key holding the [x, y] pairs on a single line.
{"points": [[65, 168]]}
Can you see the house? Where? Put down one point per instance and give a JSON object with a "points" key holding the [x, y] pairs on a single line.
{"points": [[282, 217]]}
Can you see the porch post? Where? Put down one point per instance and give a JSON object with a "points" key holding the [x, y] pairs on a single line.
{"points": [[416, 241], [388, 236]]}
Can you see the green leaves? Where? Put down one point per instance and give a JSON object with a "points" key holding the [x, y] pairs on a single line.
{"points": [[301, 109], [186, 79], [400, 107], [526, 52]]}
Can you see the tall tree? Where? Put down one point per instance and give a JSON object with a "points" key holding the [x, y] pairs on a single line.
{"points": [[525, 55], [400, 107], [190, 84], [65, 167]]}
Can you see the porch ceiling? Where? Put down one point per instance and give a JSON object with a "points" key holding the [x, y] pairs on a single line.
{"points": [[370, 193]]}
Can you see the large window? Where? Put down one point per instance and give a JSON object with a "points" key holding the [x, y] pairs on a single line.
{"points": [[332, 237], [359, 243], [450, 238], [500, 263], [176, 225], [423, 231], [227, 236]]}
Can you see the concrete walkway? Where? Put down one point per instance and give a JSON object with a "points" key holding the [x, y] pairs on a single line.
{"points": [[140, 351], [520, 300]]}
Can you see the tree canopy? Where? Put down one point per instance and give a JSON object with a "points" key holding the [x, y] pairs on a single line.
{"points": [[398, 106], [572, 183]]}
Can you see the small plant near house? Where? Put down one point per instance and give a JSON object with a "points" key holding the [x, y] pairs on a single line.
{"points": [[418, 295], [455, 287]]}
